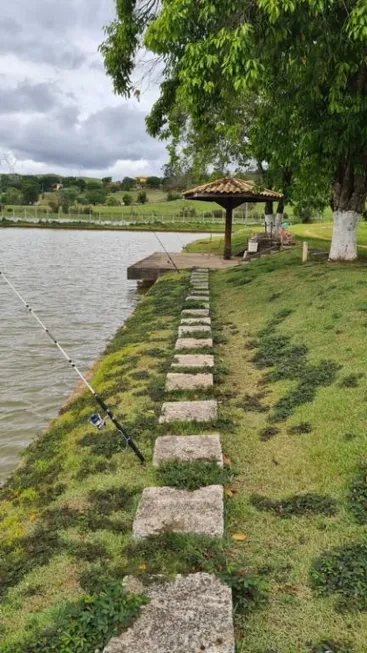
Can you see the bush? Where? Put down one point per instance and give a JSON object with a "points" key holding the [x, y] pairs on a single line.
{"points": [[142, 197], [127, 199], [218, 213], [112, 201]]}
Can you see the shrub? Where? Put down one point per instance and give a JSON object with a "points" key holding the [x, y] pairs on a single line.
{"points": [[142, 197], [127, 199], [112, 201], [172, 196], [87, 625]]}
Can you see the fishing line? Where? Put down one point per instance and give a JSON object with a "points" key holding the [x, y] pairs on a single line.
{"points": [[95, 419], [169, 255]]}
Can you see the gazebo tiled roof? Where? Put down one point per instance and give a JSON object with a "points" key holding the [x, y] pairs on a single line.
{"points": [[233, 187]]}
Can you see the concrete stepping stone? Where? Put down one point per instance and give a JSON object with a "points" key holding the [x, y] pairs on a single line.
{"points": [[193, 360], [200, 292], [195, 320], [197, 298], [165, 509], [198, 328], [187, 448], [189, 411], [199, 280], [193, 343], [185, 614], [178, 381], [195, 312], [200, 286]]}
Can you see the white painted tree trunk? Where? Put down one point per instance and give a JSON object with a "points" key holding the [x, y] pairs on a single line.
{"points": [[344, 240], [269, 222], [278, 221]]}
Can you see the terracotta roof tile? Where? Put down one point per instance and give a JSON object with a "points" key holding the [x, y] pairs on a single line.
{"points": [[233, 186]]}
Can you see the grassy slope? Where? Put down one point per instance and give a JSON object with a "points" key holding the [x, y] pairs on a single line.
{"points": [[329, 317], [60, 471]]}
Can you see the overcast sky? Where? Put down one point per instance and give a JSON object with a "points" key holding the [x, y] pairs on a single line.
{"points": [[58, 112]]}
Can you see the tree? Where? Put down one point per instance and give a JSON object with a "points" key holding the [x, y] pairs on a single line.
{"points": [[96, 196], [68, 195], [142, 197], [31, 192], [12, 196], [153, 182], [127, 199], [127, 183], [106, 180], [93, 184], [112, 201], [302, 60]]}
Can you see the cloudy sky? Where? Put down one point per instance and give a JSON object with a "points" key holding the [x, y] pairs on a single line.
{"points": [[58, 112]]}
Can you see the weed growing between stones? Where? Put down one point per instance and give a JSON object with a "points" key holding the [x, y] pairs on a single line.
{"points": [[87, 624], [193, 475], [343, 572], [297, 505]]}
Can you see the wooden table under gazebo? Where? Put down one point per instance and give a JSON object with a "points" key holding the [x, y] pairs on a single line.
{"points": [[230, 193]]}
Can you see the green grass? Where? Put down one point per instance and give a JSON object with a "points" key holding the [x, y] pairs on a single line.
{"points": [[215, 245], [177, 226], [297, 316], [69, 507]]}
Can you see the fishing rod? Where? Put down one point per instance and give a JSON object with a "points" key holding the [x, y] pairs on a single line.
{"points": [[95, 419], [169, 255]]}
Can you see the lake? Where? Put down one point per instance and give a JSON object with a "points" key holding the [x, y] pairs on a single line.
{"points": [[76, 281]]}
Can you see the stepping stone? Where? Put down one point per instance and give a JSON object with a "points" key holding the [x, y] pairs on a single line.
{"points": [[185, 614], [189, 411], [193, 360], [200, 286], [196, 312], [165, 509], [196, 298], [199, 328], [188, 447], [200, 292], [201, 279], [188, 381], [196, 320], [193, 343]]}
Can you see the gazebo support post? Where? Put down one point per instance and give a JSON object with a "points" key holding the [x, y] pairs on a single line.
{"points": [[228, 232]]}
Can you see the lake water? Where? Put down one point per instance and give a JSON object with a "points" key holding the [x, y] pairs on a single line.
{"points": [[76, 281]]}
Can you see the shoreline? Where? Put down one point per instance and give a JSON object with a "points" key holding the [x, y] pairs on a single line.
{"points": [[172, 227]]}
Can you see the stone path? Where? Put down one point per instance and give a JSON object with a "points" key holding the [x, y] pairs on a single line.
{"points": [[192, 613]]}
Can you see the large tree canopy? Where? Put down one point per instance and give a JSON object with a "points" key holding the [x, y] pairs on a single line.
{"points": [[281, 81]]}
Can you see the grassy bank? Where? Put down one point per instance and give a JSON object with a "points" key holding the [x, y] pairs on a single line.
{"points": [[215, 245], [294, 348], [66, 513], [180, 227]]}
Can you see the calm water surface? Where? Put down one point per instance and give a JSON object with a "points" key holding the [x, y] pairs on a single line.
{"points": [[76, 281]]}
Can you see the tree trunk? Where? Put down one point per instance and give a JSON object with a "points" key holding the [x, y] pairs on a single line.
{"points": [[348, 204], [279, 216], [269, 218], [228, 233], [344, 241]]}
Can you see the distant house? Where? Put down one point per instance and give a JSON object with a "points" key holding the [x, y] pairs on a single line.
{"points": [[57, 186], [141, 180]]}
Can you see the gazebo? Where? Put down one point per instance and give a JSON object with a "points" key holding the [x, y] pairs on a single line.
{"points": [[231, 192]]}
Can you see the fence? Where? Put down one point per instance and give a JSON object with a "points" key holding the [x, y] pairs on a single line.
{"points": [[34, 215]]}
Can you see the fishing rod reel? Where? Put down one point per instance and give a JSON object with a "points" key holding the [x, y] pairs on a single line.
{"points": [[97, 421]]}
